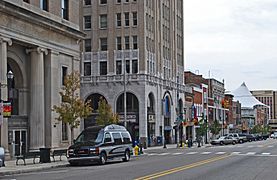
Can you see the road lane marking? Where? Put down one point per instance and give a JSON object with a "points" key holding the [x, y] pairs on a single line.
{"points": [[250, 146], [235, 153], [265, 153], [250, 153], [192, 153], [163, 154], [270, 146], [152, 154], [206, 153], [181, 168], [220, 153], [177, 153]]}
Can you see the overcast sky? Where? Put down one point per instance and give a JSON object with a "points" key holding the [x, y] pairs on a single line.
{"points": [[234, 40]]}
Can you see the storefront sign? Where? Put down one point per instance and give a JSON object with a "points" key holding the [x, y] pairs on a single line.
{"points": [[129, 118]]}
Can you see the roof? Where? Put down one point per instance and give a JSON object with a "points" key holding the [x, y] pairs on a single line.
{"points": [[244, 96]]}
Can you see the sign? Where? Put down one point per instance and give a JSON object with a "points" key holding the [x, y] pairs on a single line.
{"points": [[1, 113], [7, 109], [129, 118], [167, 128]]}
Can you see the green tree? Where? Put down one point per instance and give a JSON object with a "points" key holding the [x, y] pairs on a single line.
{"points": [[215, 128], [105, 114], [72, 107], [201, 131]]}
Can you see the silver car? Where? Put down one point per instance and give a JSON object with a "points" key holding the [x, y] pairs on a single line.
{"points": [[2, 157], [224, 140]]}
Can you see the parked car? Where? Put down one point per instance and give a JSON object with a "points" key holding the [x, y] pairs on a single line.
{"points": [[239, 139], [258, 137], [250, 137], [274, 135], [99, 143], [243, 137], [223, 140], [2, 157]]}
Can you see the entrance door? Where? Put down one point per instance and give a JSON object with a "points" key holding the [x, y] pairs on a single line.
{"points": [[20, 141]]}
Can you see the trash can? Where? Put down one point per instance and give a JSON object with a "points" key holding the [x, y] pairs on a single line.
{"points": [[159, 140], [44, 155]]}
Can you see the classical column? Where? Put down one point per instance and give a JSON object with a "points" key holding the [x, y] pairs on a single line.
{"points": [[4, 91], [37, 101]]}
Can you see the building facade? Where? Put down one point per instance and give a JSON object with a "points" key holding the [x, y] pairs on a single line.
{"points": [[135, 49], [39, 44]]}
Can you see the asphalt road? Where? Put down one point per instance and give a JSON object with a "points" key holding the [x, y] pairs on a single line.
{"points": [[248, 161]]}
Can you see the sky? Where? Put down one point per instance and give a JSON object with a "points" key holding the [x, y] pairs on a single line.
{"points": [[234, 40]]}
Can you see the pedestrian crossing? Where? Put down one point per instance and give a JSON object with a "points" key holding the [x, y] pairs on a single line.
{"points": [[245, 146], [210, 153]]}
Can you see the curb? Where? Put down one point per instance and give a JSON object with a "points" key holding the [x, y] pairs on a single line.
{"points": [[21, 171]]}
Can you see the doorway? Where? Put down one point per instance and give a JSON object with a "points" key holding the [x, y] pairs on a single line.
{"points": [[19, 142]]}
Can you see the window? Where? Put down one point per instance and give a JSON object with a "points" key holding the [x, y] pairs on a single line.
{"points": [[103, 68], [65, 9], [87, 45], [103, 21], [117, 138], [108, 138], [103, 1], [103, 44], [87, 2], [118, 1], [127, 42], [118, 19], [118, 43], [126, 138], [126, 1], [87, 21], [135, 66], [118, 67], [64, 132], [26, 1], [135, 18], [135, 42], [87, 69], [44, 5], [64, 74], [127, 66], [127, 23]]}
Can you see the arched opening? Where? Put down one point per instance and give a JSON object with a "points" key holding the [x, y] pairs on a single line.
{"points": [[151, 120], [132, 109], [167, 115], [94, 100]]}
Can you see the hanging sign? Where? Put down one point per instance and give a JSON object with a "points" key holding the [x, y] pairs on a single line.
{"points": [[7, 109]]}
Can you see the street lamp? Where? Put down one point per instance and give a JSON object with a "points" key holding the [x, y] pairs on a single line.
{"points": [[10, 78]]}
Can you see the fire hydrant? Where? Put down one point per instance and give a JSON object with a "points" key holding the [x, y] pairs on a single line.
{"points": [[136, 150]]}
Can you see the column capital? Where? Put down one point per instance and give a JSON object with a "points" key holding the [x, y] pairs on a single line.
{"points": [[38, 50], [5, 40]]}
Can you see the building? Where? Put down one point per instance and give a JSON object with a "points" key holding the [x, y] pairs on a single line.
{"points": [[216, 95], [135, 48], [39, 44], [199, 107], [268, 97]]}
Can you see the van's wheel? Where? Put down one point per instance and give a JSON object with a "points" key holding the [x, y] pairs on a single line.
{"points": [[103, 158], [126, 156], [221, 143], [234, 143]]}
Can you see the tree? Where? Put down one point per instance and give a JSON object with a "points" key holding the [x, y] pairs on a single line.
{"points": [[106, 115], [201, 131], [72, 107], [215, 128]]}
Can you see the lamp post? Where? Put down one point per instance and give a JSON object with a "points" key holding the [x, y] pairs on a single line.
{"points": [[10, 78]]}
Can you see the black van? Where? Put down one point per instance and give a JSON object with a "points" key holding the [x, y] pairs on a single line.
{"points": [[99, 143]]}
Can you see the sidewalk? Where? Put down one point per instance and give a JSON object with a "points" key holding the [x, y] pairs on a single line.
{"points": [[12, 168]]}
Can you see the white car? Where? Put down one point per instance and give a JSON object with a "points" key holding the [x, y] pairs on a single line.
{"points": [[274, 135]]}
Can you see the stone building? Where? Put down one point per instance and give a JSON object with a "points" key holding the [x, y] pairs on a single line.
{"points": [[144, 41], [39, 44]]}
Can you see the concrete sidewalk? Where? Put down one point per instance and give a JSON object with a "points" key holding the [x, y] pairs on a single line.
{"points": [[12, 168]]}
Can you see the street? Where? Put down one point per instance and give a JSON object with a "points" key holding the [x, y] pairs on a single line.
{"points": [[248, 161]]}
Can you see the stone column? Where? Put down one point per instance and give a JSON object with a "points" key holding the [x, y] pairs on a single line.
{"points": [[37, 98], [4, 90]]}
